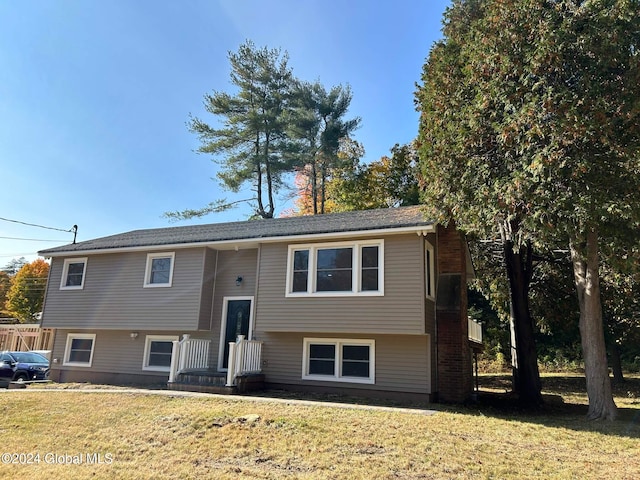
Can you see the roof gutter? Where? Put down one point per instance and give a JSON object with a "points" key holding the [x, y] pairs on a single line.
{"points": [[247, 242]]}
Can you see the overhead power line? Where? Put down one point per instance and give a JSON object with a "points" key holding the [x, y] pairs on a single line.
{"points": [[32, 239], [75, 227]]}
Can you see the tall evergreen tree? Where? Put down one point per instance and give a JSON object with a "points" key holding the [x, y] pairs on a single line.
{"points": [[252, 145], [320, 127], [530, 129]]}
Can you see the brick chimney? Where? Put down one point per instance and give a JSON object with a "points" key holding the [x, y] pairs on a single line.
{"points": [[454, 356]]}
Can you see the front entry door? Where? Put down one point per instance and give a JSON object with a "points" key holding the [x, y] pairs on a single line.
{"points": [[237, 322]]}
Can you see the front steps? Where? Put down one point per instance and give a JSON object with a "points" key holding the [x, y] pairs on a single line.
{"points": [[206, 381]]}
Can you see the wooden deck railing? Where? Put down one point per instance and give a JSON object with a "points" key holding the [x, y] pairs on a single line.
{"points": [[189, 354], [475, 331], [245, 356], [25, 337]]}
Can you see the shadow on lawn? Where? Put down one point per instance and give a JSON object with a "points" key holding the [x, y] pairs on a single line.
{"points": [[564, 404]]}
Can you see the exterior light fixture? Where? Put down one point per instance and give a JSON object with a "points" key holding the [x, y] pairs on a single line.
{"points": [[238, 280], [133, 335]]}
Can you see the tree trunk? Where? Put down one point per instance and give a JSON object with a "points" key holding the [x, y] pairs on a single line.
{"points": [[267, 165], [526, 375], [314, 186], [258, 165], [323, 182], [616, 363], [586, 276]]}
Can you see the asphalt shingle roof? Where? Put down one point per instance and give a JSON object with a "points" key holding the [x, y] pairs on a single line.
{"points": [[382, 219]]}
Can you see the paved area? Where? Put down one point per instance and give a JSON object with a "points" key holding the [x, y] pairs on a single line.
{"points": [[238, 398]]}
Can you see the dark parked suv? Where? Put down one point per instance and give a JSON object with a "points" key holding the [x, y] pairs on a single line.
{"points": [[22, 367]]}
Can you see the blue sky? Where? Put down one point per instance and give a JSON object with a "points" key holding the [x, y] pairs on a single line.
{"points": [[95, 95]]}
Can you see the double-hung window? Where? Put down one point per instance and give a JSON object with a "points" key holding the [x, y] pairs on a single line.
{"points": [[339, 360], [159, 271], [73, 273], [330, 269], [157, 352], [79, 349]]}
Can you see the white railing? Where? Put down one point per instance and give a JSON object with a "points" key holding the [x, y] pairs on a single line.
{"points": [[245, 356], [475, 331], [189, 354]]}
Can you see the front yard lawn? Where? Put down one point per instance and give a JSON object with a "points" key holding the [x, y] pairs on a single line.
{"points": [[71, 434]]}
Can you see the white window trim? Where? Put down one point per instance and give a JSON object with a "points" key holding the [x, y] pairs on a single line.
{"points": [[339, 343], [430, 268], [356, 279], [67, 348], [147, 351], [65, 273], [147, 273]]}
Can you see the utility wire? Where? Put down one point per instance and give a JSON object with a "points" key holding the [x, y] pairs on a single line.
{"points": [[36, 225], [32, 239]]}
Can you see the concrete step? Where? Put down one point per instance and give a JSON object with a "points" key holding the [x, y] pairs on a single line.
{"points": [[193, 387], [202, 378], [216, 383]]}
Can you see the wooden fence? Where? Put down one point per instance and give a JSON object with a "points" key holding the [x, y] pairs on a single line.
{"points": [[25, 337]]}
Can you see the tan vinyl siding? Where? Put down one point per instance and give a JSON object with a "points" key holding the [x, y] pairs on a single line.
{"points": [[400, 310], [208, 287], [402, 362], [113, 296], [114, 351], [231, 265]]}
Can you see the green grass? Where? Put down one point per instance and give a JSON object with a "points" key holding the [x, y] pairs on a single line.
{"points": [[142, 436]]}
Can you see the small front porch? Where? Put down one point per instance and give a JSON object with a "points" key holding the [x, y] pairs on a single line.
{"points": [[190, 369]]}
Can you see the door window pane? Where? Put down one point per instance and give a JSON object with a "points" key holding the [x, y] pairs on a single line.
{"points": [[236, 323]]}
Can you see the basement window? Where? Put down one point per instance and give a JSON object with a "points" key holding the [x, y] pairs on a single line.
{"points": [[339, 360]]}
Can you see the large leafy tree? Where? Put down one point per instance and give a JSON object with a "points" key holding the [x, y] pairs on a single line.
{"points": [[5, 285], [621, 310], [350, 153], [26, 295], [319, 125], [530, 130], [252, 145], [391, 181], [471, 178]]}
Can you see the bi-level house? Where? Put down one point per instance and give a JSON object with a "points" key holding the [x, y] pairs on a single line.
{"points": [[370, 303]]}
